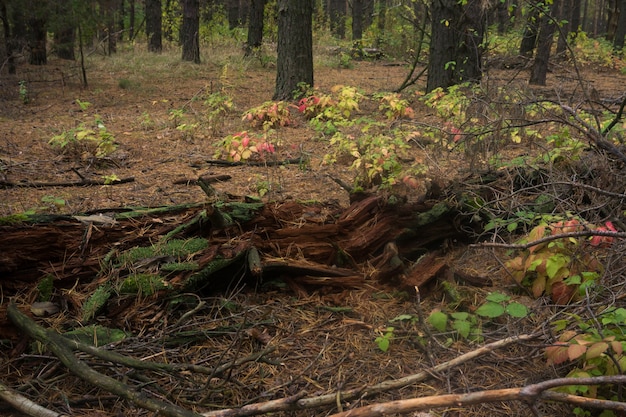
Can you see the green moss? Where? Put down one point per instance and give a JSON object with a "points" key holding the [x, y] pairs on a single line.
{"points": [[45, 288], [179, 266], [96, 335], [97, 300], [13, 219], [142, 284], [177, 248]]}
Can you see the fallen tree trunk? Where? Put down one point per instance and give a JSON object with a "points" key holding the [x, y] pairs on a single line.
{"points": [[212, 246]]}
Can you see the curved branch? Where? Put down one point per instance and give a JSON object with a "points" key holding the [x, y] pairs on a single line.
{"points": [[528, 394], [583, 233]]}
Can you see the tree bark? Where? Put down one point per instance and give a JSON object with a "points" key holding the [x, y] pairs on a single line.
{"points": [[539, 69], [153, 25], [233, 14], [357, 22], [190, 32], [131, 18], [381, 22], [456, 43], [620, 31], [255, 25], [38, 49], [531, 29], [64, 41], [566, 12], [337, 14], [295, 47]]}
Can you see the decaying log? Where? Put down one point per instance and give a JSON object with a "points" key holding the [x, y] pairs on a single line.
{"points": [[80, 183], [240, 242]]}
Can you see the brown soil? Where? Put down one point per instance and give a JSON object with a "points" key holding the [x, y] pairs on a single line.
{"points": [[325, 339]]}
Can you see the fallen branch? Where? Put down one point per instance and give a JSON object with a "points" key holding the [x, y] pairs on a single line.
{"points": [[287, 404], [24, 405], [529, 394], [583, 233], [290, 161], [80, 183], [62, 350]]}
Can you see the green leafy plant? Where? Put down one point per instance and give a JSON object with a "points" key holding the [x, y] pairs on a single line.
{"points": [[375, 158], [218, 105], [241, 147], [498, 304], [269, 115], [90, 142], [83, 105], [384, 339], [394, 106], [110, 179], [176, 116], [464, 324], [145, 121], [23, 91], [597, 347], [187, 130], [562, 268], [56, 203]]}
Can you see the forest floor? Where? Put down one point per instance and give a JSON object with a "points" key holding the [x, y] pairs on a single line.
{"points": [[325, 340]]}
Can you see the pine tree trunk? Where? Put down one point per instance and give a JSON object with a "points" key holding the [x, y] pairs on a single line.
{"points": [[64, 41], [190, 32], [153, 25], [529, 38], [539, 70], [38, 50], [255, 25], [295, 47], [337, 14], [233, 14], [456, 43], [620, 32], [357, 22]]}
